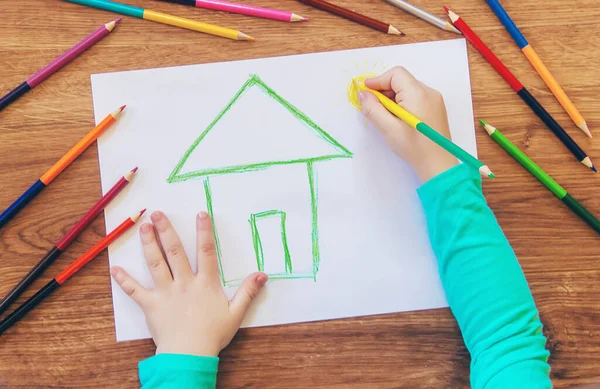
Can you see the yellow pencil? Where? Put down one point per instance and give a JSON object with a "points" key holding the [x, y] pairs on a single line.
{"points": [[165, 19]]}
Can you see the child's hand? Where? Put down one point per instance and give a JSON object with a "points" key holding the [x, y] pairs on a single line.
{"points": [[426, 158], [187, 313]]}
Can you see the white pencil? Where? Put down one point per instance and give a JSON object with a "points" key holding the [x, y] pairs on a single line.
{"points": [[424, 15]]}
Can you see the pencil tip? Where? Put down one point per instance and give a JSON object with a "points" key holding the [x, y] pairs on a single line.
{"points": [[447, 9], [486, 172], [298, 18], [594, 169], [118, 20], [394, 31], [482, 122], [245, 37], [142, 211], [584, 127], [121, 108], [135, 169]]}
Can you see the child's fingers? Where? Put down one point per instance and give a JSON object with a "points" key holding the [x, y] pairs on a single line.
{"points": [[159, 270], [376, 113], [205, 243], [390, 94], [247, 291], [394, 79], [178, 261], [130, 286]]}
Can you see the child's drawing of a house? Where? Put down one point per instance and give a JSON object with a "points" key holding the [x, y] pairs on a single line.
{"points": [[258, 163]]}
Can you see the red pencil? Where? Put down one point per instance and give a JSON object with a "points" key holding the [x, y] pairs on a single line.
{"points": [[523, 93], [354, 16], [69, 271], [66, 241]]}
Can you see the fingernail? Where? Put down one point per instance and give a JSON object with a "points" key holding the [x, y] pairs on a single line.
{"points": [[157, 216], [202, 216], [146, 228], [362, 95], [261, 279]]}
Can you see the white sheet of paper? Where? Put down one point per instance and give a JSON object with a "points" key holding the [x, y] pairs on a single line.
{"points": [[373, 250]]}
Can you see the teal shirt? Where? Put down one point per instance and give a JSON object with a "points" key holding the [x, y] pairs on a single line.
{"points": [[484, 284]]}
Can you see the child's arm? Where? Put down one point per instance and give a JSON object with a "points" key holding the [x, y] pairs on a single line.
{"points": [[484, 283], [190, 318]]}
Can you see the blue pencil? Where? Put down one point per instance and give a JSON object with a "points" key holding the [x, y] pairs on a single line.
{"points": [[21, 202], [539, 66]]}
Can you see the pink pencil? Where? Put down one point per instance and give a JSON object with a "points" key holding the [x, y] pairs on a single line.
{"points": [[225, 6], [58, 63]]}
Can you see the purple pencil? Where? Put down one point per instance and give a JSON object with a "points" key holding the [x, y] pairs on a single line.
{"points": [[58, 63]]}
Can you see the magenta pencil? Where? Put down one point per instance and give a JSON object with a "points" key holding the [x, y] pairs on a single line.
{"points": [[243, 9], [58, 63]]}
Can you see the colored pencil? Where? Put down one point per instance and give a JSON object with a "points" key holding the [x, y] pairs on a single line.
{"points": [[542, 176], [539, 66], [159, 17], [353, 16], [66, 241], [73, 268], [423, 15], [58, 63], [516, 85], [243, 9], [58, 167], [430, 133]]}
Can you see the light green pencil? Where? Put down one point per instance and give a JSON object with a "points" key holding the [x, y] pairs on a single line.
{"points": [[542, 176], [429, 132]]}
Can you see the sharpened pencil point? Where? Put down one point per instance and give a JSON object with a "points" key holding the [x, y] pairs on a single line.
{"points": [[298, 18], [482, 122], [130, 174], [588, 162], [486, 172], [245, 37], [117, 113], [118, 20], [584, 127], [137, 216], [447, 9]]}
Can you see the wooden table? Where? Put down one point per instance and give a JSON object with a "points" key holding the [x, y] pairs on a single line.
{"points": [[69, 341]]}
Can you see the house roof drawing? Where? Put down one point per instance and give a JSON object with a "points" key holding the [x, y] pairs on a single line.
{"points": [[256, 129]]}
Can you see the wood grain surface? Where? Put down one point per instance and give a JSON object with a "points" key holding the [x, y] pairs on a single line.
{"points": [[69, 340]]}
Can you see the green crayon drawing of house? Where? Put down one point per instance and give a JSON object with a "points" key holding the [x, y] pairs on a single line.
{"points": [[262, 152]]}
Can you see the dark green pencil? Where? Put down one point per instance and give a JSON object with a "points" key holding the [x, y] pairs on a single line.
{"points": [[542, 176]]}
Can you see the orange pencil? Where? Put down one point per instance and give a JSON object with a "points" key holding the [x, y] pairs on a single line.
{"points": [[59, 166], [69, 271]]}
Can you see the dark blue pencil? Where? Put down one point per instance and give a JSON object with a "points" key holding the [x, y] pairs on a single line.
{"points": [[21, 202]]}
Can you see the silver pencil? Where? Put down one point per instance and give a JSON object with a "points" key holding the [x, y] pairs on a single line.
{"points": [[422, 14]]}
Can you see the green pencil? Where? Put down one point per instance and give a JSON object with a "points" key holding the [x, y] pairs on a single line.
{"points": [[542, 176]]}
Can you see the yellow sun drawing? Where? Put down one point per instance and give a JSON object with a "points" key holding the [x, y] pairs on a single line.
{"points": [[361, 73]]}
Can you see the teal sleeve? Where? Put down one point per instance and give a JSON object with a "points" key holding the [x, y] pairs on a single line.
{"points": [[485, 286], [177, 371]]}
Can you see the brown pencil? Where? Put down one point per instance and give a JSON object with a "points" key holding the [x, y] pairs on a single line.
{"points": [[355, 17]]}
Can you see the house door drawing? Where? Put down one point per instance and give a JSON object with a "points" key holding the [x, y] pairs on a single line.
{"points": [[274, 137], [276, 254]]}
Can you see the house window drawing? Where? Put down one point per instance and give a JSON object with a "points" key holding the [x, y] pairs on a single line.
{"points": [[277, 138]]}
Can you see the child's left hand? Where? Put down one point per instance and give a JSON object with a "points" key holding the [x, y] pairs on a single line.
{"points": [[187, 313]]}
